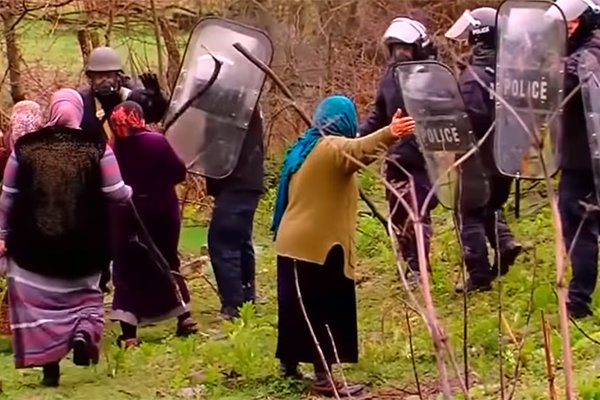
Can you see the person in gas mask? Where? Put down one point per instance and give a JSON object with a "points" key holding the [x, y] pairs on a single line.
{"points": [[109, 86], [405, 40], [576, 186], [476, 80]]}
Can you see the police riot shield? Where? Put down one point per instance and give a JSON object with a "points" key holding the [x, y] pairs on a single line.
{"points": [[209, 134], [443, 129], [589, 76], [529, 87]]}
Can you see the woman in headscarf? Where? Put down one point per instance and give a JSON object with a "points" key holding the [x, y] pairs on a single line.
{"points": [[53, 221], [147, 285], [314, 223], [26, 117]]}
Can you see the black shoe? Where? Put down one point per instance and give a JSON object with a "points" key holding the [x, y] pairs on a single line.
{"points": [[579, 311], [81, 350], [51, 375], [413, 278], [473, 286], [228, 313], [186, 327], [507, 259], [290, 371]]}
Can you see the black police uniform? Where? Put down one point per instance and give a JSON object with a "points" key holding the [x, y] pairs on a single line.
{"points": [[577, 182], [477, 225], [407, 154]]}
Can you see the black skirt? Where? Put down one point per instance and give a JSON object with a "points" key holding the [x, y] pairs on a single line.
{"points": [[329, 299]]}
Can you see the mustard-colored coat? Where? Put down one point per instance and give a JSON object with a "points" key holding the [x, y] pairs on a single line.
{"points": [[323, 199]]}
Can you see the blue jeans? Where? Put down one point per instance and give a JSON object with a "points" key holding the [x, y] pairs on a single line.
{"points": [[576, 187], [230, 247]]}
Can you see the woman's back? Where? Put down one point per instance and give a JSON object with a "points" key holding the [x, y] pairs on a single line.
{"points": [[151, 168], [58, 223]]}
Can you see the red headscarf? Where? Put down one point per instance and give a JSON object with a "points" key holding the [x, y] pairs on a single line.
{"points": [[127, 119]]}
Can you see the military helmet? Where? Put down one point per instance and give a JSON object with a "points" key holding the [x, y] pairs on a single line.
{"points": [[103, 59]]}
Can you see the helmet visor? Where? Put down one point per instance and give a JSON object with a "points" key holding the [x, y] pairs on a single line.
{"points": [[403, 30]]}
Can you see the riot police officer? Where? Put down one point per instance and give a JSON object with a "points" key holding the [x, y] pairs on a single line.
{"points": [[476, 80], [405, 40], [109, 86], [580, 227]]}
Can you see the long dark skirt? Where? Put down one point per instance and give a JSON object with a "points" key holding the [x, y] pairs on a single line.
{"points": [[46, 312], [143, 292], [329, 299]]}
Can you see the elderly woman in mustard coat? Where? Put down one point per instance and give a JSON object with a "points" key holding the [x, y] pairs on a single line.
{"points": [[314, 223]]}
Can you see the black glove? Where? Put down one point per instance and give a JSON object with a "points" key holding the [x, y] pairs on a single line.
{"points": [[150, 82]]}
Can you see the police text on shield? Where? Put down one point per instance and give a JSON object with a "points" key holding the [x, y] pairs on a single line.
{"points": [[525, 89]]}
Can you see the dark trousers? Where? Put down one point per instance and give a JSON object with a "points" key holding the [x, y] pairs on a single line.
{"points": [[230, 247], [577, 187], [480, 224], [403, 226]]}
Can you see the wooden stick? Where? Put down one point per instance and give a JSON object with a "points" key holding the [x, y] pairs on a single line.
{"points": [[549, 363]]}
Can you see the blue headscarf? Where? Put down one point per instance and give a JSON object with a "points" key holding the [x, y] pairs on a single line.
{"points": [[336, 115]]}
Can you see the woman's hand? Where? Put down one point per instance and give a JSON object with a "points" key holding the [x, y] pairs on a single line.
{"points": [[402, 125]]}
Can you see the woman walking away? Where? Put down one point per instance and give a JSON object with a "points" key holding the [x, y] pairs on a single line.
{"points": [[53, 215], [26, 117], [147, 290], [314, 223]]}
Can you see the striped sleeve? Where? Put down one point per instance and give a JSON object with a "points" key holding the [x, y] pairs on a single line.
{"points": [[9, 193], [112, 183]]}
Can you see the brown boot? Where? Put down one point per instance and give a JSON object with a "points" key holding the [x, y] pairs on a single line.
{"points": [[322, 387]]}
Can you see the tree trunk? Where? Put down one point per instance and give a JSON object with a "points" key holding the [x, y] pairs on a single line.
{"points": [[172, 52], [84, 44], [161, 74], [94, 39], [13, 54], [109, 26]]}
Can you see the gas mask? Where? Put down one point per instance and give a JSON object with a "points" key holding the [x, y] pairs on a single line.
{"points": [[105, 84]]}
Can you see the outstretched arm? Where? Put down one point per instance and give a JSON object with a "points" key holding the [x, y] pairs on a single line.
{"points": [[364, 150]]}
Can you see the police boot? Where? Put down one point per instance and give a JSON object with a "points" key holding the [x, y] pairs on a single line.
{"points": [[480, 277], [508, 256]]}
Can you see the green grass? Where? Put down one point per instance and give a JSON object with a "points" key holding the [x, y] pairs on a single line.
{"points": [[236, 360]]}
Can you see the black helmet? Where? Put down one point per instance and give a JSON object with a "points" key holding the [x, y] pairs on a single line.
{"points": [[477, 26], [405, 30]]}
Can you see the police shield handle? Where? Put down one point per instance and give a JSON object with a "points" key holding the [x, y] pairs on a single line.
{"points": [[402, 125]]}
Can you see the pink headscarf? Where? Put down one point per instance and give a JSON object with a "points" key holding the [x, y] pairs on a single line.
{"points": [[26, 117], [66, 109]]}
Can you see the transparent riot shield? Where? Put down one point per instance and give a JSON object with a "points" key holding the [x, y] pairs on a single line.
{"points": [[443, 129], [589, 77], [529, 87], [209, 134]]}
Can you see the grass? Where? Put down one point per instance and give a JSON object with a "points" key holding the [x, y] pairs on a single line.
{"points": [[236, 360]]}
